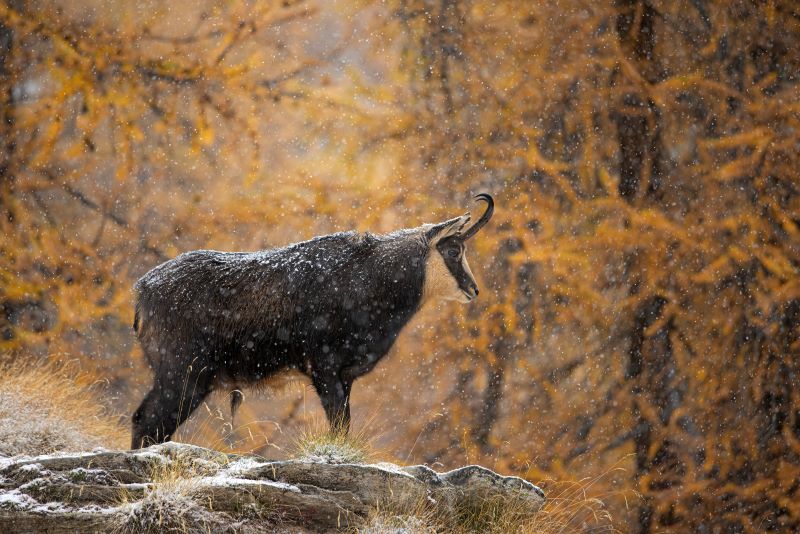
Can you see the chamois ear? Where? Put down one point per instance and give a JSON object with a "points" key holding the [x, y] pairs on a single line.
{"points": [[450, 227]]}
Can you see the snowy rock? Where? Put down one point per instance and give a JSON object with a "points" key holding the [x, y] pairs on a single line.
{"points": [[183, 487]]}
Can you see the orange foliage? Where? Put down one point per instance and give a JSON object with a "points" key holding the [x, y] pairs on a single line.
{"points": [[641, 301]]}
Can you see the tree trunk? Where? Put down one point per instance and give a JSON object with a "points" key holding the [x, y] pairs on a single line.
{"points": [[7, 145]]}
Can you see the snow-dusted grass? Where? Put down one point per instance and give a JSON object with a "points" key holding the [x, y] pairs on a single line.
{"points": [[168, 504], [421, 516], [176, 500], [166, 507], [49, 408], [397, 524], [318, 443]]}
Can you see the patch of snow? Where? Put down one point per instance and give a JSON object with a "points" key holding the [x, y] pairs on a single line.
{"points": [[95, 476], [8, 461], [59, 455], [332, 458], [34, 484], [96, 509], [245, 463], [17, 499], [32, 467], [148, 455], [53, 507], [391, 468], [139, 485]]}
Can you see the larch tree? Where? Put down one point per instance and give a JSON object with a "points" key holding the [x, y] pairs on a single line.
{"points": [[640, 299], [645, 306]]}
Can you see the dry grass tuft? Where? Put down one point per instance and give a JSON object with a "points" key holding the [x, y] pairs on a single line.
{"points": [[166, 507], [49, 408], [501, 514], [397, 524], [168, 504], [568, 509], [177, 501], [403, 517], [318, 443]]}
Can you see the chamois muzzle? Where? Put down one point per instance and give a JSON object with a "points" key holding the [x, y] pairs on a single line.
{"points": [[480, 223], [472, 292]]}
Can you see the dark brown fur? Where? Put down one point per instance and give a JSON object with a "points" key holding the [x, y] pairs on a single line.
{"points": [[330, 308]]}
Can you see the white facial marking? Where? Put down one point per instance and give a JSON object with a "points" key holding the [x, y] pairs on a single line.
{"points": [[465, 265], [440, 284]]}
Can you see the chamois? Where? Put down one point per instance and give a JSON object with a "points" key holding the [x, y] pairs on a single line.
{"points": [[330, 308]]}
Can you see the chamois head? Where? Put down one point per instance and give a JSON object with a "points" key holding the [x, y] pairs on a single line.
{"points": [[447, 273]]}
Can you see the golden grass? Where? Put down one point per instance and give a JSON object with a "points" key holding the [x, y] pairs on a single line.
{"points": [[214, 429], [499, 515], [50, 407], [570, 506], [569, 509], [419, 516]]}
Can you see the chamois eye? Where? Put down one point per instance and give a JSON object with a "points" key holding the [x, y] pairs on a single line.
{"points": [[453, 252]]}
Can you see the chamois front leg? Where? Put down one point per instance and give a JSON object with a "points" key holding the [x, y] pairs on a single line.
{"points": [[334, 393], [169, 403]]}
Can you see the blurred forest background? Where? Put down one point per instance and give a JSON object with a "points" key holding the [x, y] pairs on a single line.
{"points": [[641, 300]]}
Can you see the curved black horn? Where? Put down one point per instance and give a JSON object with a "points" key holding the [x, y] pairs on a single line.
{"points": [[472, 230]]}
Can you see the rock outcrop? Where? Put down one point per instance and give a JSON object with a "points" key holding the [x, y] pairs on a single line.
{"points": [[178, 487]]}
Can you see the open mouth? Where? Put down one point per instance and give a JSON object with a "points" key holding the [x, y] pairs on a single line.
{"points": [[468, 295]]}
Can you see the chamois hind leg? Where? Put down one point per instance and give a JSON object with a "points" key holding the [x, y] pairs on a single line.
{"points": [[334, 393], [169, 403]]}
